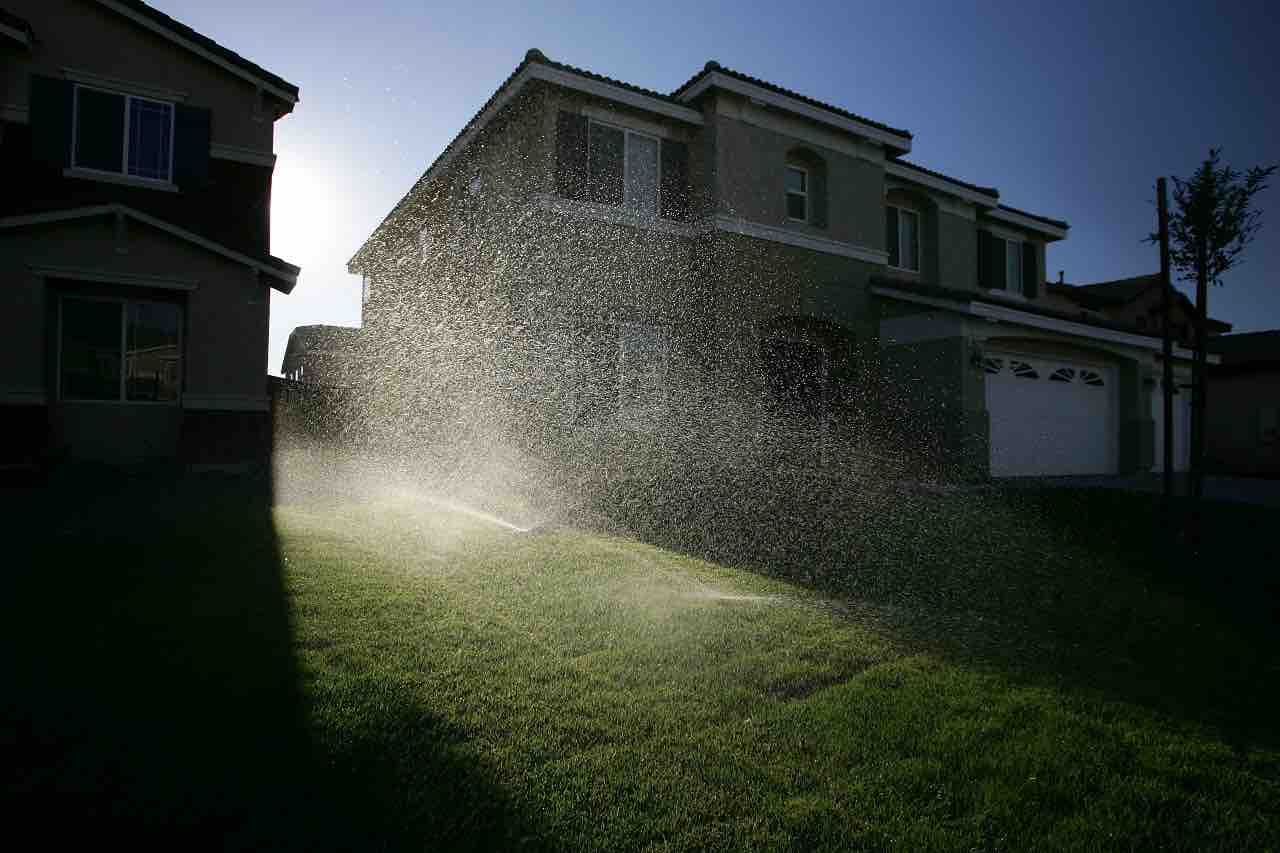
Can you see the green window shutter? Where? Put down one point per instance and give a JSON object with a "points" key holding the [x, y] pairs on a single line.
{"points": [[50, 117], [606, 147], [571, 155], [673, 199], [1030, 271], [99, 130], [191, 131], [891, 236], [992, 249]]}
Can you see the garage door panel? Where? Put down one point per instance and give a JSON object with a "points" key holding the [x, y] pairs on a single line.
{"points": [[1043, 426]]}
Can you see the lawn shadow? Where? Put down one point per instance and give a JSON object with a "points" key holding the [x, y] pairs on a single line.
{"points": [[1067, 588], [152, 695]]}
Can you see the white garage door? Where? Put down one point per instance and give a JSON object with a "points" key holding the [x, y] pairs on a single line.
{"points": [[1050, 417]]}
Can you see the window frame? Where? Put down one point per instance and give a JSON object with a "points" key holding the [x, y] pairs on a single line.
{"points": [[123, 396], [804, 194], [627, 133], [123, 173], [1010, 287], [913, 212]]}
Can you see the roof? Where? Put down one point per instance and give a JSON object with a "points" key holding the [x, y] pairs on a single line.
{"points": [[15, 27], [145, 14], [713, 67], [1057, 223], [1247, 347], [284, 275], [991, 191], [1121, 291], [320, 335]]}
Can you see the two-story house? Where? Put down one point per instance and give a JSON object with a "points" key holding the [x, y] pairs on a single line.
{"points": [[729, 261], [136, 159]]}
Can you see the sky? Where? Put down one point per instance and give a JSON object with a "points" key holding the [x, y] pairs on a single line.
{"points": [[1071, 110]]}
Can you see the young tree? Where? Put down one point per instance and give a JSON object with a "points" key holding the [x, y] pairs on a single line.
{"points": [[1212, 223]]}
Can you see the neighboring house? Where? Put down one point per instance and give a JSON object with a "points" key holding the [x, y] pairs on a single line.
{"points": [[136, 162], [733, 261], [319, 355], [1242, 435], [1135, 302]]}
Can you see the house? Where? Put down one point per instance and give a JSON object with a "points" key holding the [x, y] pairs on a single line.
{"points": [[1137, 303], [1242, 430], [136, 161], [736, 267], [319, 354]]}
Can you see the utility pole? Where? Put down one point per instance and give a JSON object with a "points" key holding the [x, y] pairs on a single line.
{"points": [[1166, 310]]}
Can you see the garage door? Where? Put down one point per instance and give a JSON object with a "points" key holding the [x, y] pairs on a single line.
{"points": [[1050, 417]]}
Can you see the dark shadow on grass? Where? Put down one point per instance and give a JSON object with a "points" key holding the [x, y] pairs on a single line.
{"points": [[1072, 588], [152, 698]]}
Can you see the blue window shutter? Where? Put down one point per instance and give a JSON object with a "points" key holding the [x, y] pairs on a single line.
{"points": [[50, 117], [191, 129], [571, 155]]}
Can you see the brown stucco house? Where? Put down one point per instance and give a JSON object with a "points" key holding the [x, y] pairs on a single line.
{"points": [[731, 264], [136, 158]]}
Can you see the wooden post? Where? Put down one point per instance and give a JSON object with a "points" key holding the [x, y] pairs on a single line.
{"points": [[1166, 309]]}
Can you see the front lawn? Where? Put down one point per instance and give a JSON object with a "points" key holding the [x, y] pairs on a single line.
{"points": [[210, 669]]}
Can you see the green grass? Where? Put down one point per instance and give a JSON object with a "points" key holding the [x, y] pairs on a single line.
{"points": [[391, 675]]}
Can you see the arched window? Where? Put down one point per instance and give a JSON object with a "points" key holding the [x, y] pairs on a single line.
{"points": [[805, 183]]}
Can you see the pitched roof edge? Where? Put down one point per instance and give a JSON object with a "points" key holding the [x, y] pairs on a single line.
{"points": [[268, 264]]}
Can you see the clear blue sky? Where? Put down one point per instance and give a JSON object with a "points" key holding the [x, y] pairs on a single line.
{"points": [[1071, 110]]}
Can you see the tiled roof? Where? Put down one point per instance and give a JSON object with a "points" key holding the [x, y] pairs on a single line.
{"points": [[1056, 222], [181, 29], [714, 66], [1105, 294], [991, 191]]}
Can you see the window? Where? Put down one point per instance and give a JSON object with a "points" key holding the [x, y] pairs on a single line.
{"points": [[643, 352], [902, 233], [623, 168], [797, 194], [119, 350], [1013, 265], [123, 134]]}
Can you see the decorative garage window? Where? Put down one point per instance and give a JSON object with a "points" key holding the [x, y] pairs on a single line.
{"points": [[122, 134], [992, 365], [1022, 370], [643, 359], [1084, 376], [119, 350]]}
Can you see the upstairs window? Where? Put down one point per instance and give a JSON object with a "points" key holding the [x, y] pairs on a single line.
{"points": [[797, 194], [902, 238], [1007, 264], [1013, 265], [122, 134], [623, 168]]}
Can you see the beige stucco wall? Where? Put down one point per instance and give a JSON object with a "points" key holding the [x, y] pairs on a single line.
{"points": [[225, 340], [87, 37]]}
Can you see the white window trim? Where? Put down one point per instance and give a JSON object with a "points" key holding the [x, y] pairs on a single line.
{"points": [[1008, 290], [123, 175], [901, 210], [627, 133], [123, 398], [805, 194]]}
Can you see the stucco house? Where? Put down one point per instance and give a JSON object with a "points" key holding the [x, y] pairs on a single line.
{"points": [[733, 261], [1242, 430], [136, 159]]}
